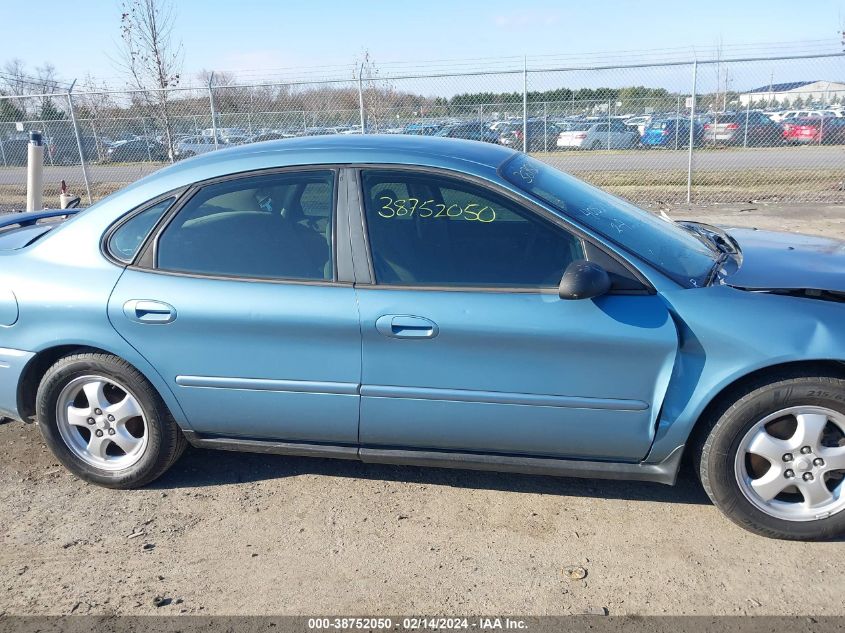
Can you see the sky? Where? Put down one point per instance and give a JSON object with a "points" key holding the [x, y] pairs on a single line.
{"points": [[255, 38]]}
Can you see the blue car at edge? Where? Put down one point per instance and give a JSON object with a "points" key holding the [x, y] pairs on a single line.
{"points": [[428, 301]]}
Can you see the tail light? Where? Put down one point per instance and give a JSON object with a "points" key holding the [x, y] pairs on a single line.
{"points": [[517, 133], [707, 126], [664, 132], [581, 135], [733, 126]]}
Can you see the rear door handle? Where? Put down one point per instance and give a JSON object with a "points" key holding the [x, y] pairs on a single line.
{"points": [[147, 311], [406, 326]]}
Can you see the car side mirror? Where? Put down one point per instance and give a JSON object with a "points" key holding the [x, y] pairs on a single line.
{"points": [[584, 280]]}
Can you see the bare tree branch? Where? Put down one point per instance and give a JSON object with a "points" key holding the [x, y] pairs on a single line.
{"points": [[151, 58]]}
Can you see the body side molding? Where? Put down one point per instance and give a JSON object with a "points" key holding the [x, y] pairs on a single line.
{"points": [[664, 472], [499, 397]]}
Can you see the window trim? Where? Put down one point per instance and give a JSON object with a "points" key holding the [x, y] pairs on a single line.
{"points": [[521, 201], [147, 258], [114, 227]]}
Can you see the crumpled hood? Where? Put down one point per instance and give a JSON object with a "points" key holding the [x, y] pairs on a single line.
{"points": [[790, 261]]}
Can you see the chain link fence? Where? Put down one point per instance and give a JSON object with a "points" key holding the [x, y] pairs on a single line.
{"points": [[712, 130]]}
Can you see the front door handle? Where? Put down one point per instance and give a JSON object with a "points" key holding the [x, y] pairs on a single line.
{"points": [[147, 311], [406, 326]]}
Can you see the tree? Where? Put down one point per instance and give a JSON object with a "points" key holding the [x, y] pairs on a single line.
{"points": [[46, 84], [14, 77], [151, 58], [379, 94], [10, 112]]}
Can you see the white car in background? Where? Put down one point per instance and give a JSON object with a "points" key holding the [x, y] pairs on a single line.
{"points": [[612, 134], [639, 123], [195, 145], [779, 117]]}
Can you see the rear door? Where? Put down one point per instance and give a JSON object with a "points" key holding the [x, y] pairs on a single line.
{"points": [[238, 302], [467, 346]]}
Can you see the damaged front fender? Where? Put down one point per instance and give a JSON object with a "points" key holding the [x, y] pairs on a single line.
{"points": [[726, 334]]}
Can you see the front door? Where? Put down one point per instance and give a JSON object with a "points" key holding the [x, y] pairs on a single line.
{"points": [[241, 313], [467, 346]]}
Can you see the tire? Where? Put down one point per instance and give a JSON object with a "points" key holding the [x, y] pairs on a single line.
{"points": [[786, 515], [151, 437]]}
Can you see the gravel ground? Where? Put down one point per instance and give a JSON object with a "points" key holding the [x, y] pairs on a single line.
{"points": [[227, 533]]}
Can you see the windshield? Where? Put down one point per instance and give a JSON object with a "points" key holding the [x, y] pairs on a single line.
{"points": [[663, 244]]}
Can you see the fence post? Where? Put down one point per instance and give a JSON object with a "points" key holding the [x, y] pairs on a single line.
{"points": [[361, 99], [3, 150], [747, 108], [213, 111], [691, 129], [525, 104], [608, 124], [546, 126], [78, 141], [249, 114], [677, 121], [821, 122]]}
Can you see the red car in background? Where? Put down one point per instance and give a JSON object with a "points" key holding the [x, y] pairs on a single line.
{"points": [[826, 130]]}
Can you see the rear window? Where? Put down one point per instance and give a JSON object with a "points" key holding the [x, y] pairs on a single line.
{"points": [[126, 240]]}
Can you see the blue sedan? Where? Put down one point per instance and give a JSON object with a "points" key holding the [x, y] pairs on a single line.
{"points": [[428, 301]]}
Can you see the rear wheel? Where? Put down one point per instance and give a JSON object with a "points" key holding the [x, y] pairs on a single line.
{"points": [[774, 461], [105, 422]]}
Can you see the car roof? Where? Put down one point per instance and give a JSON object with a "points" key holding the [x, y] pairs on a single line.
{"points": [[474, 157], [353, 148]]}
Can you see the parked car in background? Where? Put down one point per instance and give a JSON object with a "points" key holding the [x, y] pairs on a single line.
{"points": [[137, 151], [270, 136], [814, 131], [671, 133], [422, 129], [612, 134], [498, 126], [63, 149], [471, 131], [195, 145], [743, 128], [639, 123], [542, 136], [800, 114]]}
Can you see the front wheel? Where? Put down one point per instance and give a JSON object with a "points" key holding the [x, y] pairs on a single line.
{"points": [[105, 422], [774, 461]]}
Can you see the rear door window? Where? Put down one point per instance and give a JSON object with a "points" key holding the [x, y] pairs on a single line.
{"points": [[276, 226]]}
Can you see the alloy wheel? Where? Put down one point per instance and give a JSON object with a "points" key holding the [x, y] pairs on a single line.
{"points": [[791, 464], [102, 422]]}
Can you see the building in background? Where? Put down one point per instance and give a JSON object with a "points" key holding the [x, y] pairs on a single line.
{"points": [[822, 92]]}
